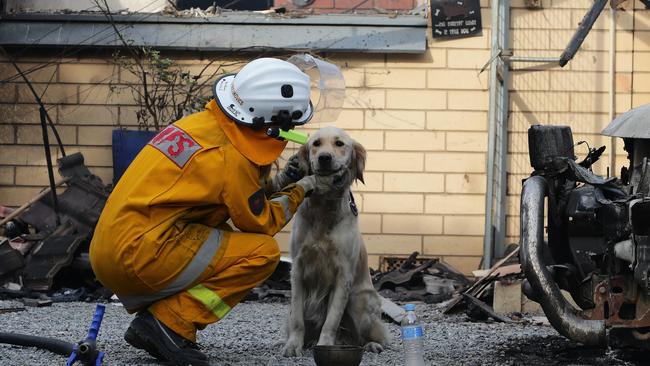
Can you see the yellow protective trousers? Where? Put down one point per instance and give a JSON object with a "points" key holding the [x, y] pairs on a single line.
{"points": [[162, 242], [224, 266]]}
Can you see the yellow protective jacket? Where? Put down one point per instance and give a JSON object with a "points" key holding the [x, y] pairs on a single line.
{"points": [[192, 172]]}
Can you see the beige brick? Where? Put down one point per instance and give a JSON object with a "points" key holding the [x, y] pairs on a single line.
{"points": [[454, 204], [465, 183], [599, 61], [373, 183], [359, 60], [468, 100], [102, 95], [453, 245], [580, 81], [395, 161], [396, 78], [373, 261], [571, 4], [416, 99], [464, 264], [95, 156], [624, 19], [16, 196], [464, 225], [34, 176], [457, 79], [35, 72], [354, 77], [641, 61], [541, 19], [598, 102], [392, 203], [466, 141], [395, 119], [7, 175], [55, 93], [431, 58], [7, 134], [21, 113], [597, 40], [641, 22], [639, 99], [526, 80], [521, 121], [623, 82], [33, 135], [478, 42], [364, 98], [370, 223], [88, 115], [467, 59], [392, 244], [420, 140], [8, 93], [455, 162], [414, 182], [530, 39], [456, 121], [412, 224], [348, 119], [94, 135], [24, 155], [642, 82], [87, 73], [371, 140], [539, 102]]}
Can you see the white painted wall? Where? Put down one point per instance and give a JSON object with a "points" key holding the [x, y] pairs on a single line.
{"points": [[78, 5]]}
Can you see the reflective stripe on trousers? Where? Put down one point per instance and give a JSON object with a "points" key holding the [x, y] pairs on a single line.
{"points": [[190, 274], [284, 201]]}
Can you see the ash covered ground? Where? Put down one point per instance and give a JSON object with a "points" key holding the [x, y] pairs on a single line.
{"points": [[252, 335]]}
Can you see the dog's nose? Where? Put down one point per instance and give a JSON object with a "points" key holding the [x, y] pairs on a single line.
{"points": [[324, 158]]}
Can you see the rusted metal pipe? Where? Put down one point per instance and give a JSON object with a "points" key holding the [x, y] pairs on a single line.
{"points": [[562, 315]]}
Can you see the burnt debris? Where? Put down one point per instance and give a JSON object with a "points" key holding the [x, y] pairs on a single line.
{"points": [[43, 250]]}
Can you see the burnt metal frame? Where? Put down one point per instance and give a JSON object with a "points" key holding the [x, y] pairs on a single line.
{"points": [[501, 58]]}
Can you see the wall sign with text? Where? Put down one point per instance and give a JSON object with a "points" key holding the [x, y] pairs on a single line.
{"points": [[457, 18]]}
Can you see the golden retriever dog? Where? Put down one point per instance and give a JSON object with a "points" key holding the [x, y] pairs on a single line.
{"points": [[332, 297]]}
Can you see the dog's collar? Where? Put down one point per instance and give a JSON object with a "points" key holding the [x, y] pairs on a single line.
{"points": [[353, 205]]}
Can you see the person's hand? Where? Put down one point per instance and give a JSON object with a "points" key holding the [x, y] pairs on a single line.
{"points": [[294, 169], [317, 184]]}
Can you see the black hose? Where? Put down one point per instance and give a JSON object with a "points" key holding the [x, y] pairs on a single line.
{"points": [[53, 345]]}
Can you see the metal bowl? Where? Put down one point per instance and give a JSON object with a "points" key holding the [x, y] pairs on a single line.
{"points": [[340, 355]]}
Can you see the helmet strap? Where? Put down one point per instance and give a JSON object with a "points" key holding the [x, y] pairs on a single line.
{"points": [[258, 123]]}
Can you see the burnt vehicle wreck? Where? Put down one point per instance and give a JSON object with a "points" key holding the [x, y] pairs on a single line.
{"points": [[597, 246]]}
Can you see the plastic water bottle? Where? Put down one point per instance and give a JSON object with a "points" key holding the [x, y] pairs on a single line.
{"points": [[412, 338]]}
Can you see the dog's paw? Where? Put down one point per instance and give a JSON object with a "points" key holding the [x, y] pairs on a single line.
{"points": [[325, 340], [373, 347], [293, 348]]}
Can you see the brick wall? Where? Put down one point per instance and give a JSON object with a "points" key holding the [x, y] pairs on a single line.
{"points": [[422, 118]]}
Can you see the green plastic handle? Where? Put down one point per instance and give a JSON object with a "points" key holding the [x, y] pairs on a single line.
{"points": [[294, 136]]}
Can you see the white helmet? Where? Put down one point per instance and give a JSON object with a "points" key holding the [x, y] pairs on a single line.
{"points": [[263, 91]]}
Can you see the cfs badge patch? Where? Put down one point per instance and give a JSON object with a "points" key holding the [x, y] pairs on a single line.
{"points": [[175, 144], [256, 202]]}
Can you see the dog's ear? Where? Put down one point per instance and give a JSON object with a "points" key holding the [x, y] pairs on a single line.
{"points": [[358, 162], [303, 159]]}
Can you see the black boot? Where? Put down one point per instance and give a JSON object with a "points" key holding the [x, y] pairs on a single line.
{"points": [[148, 333]]}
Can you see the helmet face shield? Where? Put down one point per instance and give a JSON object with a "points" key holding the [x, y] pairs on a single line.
{"points": [[327, 86]]}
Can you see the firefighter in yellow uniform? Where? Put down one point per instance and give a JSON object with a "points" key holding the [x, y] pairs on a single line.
{"points": [[162, 243]]}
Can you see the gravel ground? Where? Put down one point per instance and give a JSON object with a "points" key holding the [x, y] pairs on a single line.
{"points": [[251, 335]]}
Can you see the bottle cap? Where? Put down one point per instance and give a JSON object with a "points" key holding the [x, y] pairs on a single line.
{"points": [[409, 307]]}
